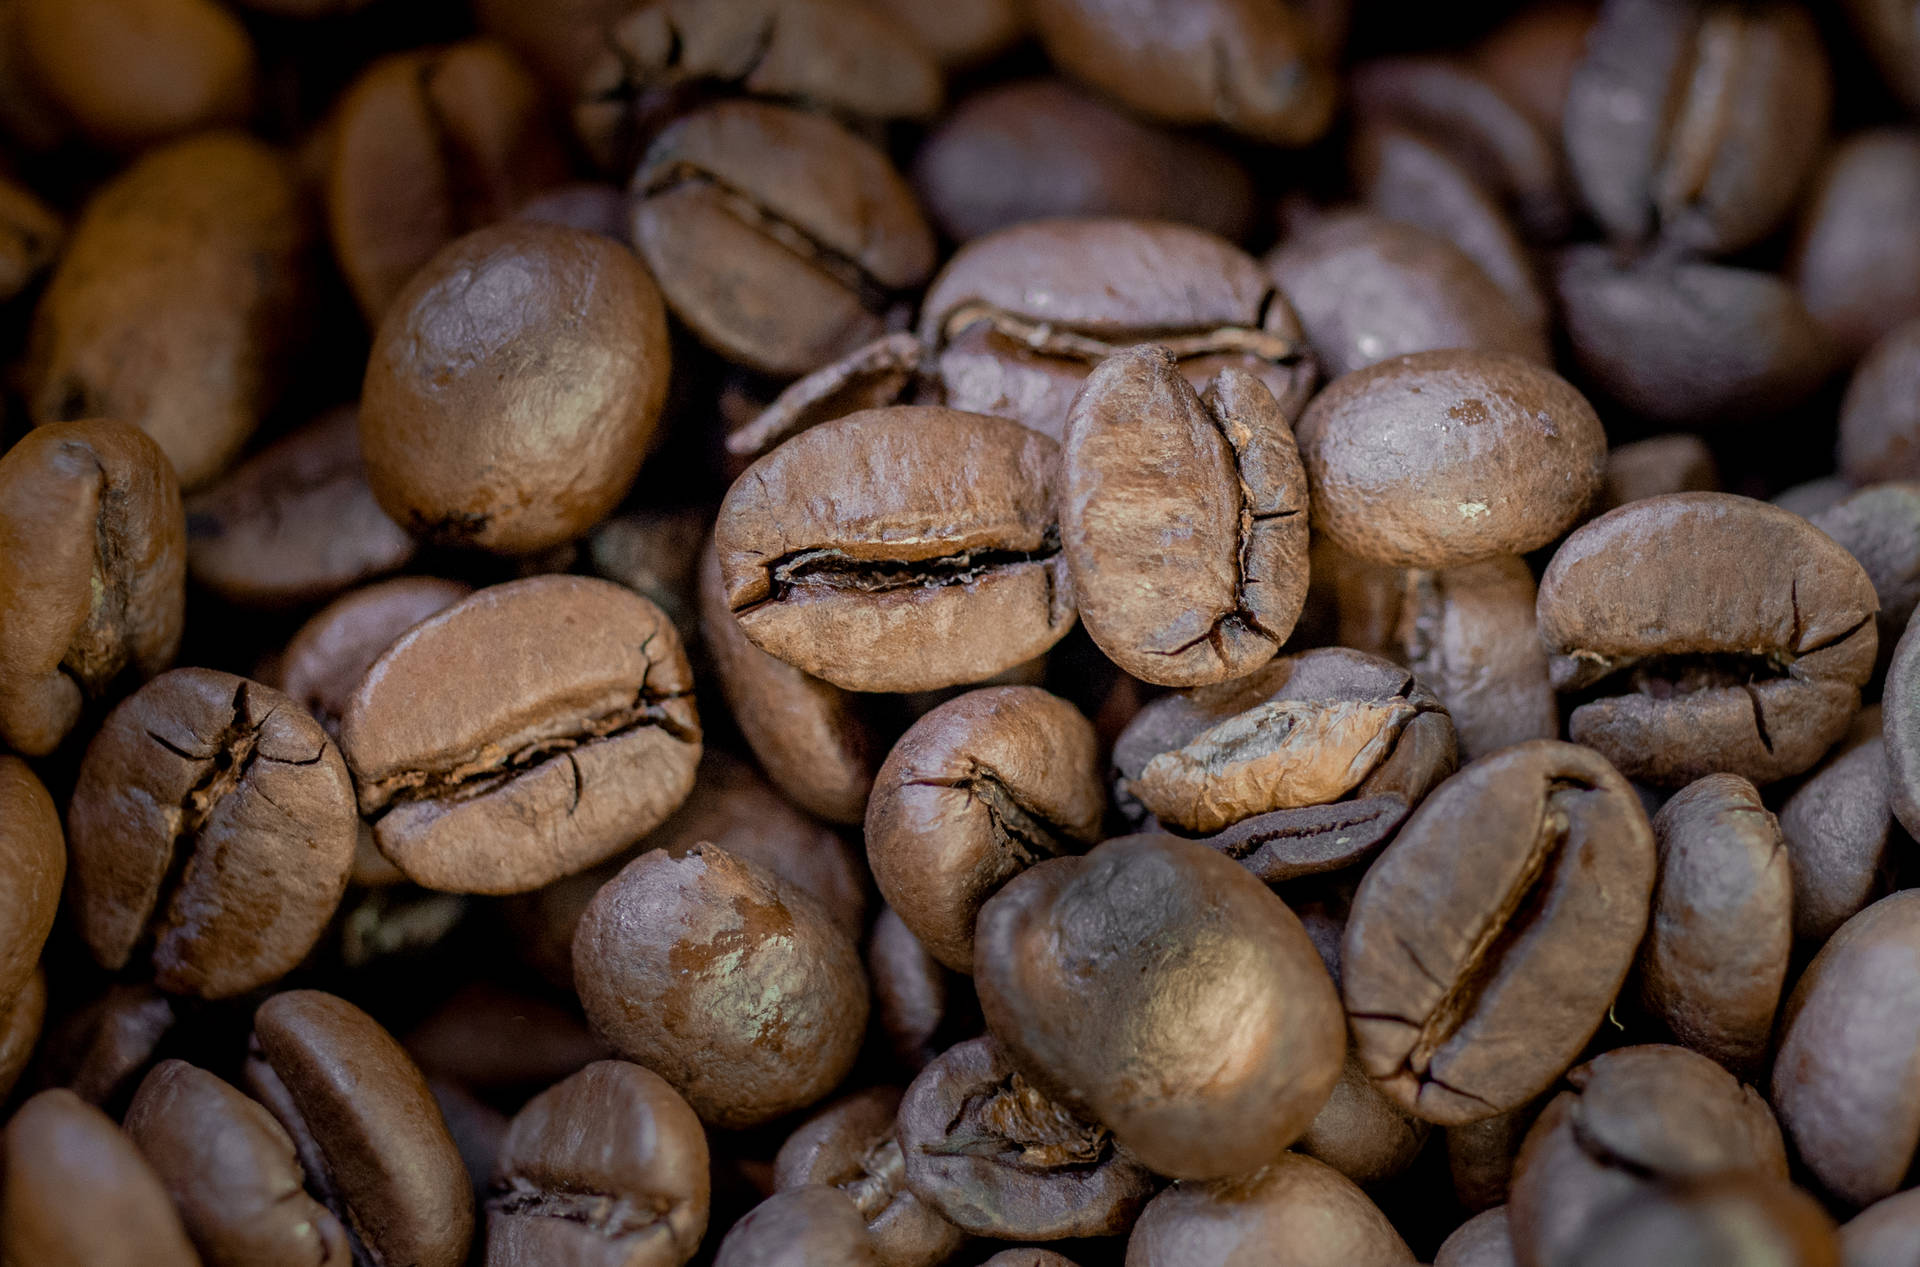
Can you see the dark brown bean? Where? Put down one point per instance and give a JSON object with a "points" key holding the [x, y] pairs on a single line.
{"points": [[1879, 419], [850, 1144], [1299, 1212], [33, 862]]}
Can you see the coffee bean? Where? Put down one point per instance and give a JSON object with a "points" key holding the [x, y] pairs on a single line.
{"points": [[1321, 1218], [561, 701], [92, 567], [919, 1005], [1074, 958], [1722, 1219], [1197, 572], [33, 858], [211, 830], [1842, 841], [1880, 527], [1856, 261], [1443, 458], [1706, 633], [798, 1228], [1885, 1234], [850, 1144], [1553, 862], [1879, 422], [1482, 1241], [1677, 463], [1360, 1132], [899, 549], [961, 33], [101, 1050], [1530, 58], [607, 1168], [231, 1171], [20, 1023], [331, 653], [1480, 1155]]}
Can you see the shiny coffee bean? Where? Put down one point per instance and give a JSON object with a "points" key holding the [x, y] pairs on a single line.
{"points": [[1879, 420], [1856, 262], [33, 861], [1469, 999], [1297, 1208], [850, 1144]]}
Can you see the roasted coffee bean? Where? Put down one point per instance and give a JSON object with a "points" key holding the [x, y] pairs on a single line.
{"points": [[331, 653], [1901, 730], [810, 736], [1879, 420], [902, 549], [961, 33], [1258, 68], [1482, 1241], [1444, 458], [102, 1050], [211, 831], [849, 59], [295, 522], [93, 571], [778, 237], [1633, 1120], [1040, 148], [1885, 1234], [559, 701], [514, 388], [1707, 632], [1480, 1155], [992, 1153], [1677, 463], [1730, 1218], [21, 1019], [731, 983], [1856, 262], [177, 302], [1298, 1212], [231, 1172], [1715, 956], [1688, 343], [1360, 1132], [1696, 122], [429, 145], [850, 1144], [1307, 765], [1844, 1073], [919, 1005], [1842, 841], [605, 1169], [77, 1193], [1073, 963], [1469, 999], [799, 1228], [1183, 519], [33, 861], [1880, 527], [975, 792]]}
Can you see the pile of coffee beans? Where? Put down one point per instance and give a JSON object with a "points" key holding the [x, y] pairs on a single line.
{"points": [[959, 633]]}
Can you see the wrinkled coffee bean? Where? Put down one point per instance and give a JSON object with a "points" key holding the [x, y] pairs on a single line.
{"points": [[1856, 262], [1295, 1206], [850, 1144], [1469, 999], [1879, 420]]}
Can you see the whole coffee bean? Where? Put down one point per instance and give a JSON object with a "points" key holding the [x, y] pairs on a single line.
{"points": [[1842, 841], [1183, 519], [849, 59], [331, 653], [902, 549], [1469, 999], [1074, 961], [1857, 259], [1482, 1241], [1901, 730], [1845, 1077], [1480, 1155], [605, 1169], [211, 830], [21, 1020], [919, 1005], [799, 1228], [810, 736], [1892, 35], [1687, 343], [1885, 1234], [1304, 766], [514, 388], [779, 238], [231, 1172], [1880, 527], [1706, 633], [559, 701], [1730, 1218], [850, 1145], [1257, 68], [1634, 1119], [368, 1135], [178, 301], [295, 522], [1715, 956], [1443, 458], [1879, 420], [975, 792], [1696, 121], [101, 1050], [999, 1158], [731, 983], [131, 73], [77, 1193], [1298, 1213], [1677, 463], [1360, 1132], [93, 573], [489, 1038], [1039, 148], [33, 860], [429, 145]]}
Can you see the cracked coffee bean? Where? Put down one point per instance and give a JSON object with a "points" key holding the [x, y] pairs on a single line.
{"points": [[607, 1168], [586, 729], [1703, 632], [780, 238], [211, 831], [1469, 999], [1295, 1205], [370, 1139], [996, 1156], [1075, 958], [1307, 765], [1183, 519], [902, 549], [975, 792], [93, 573]]}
